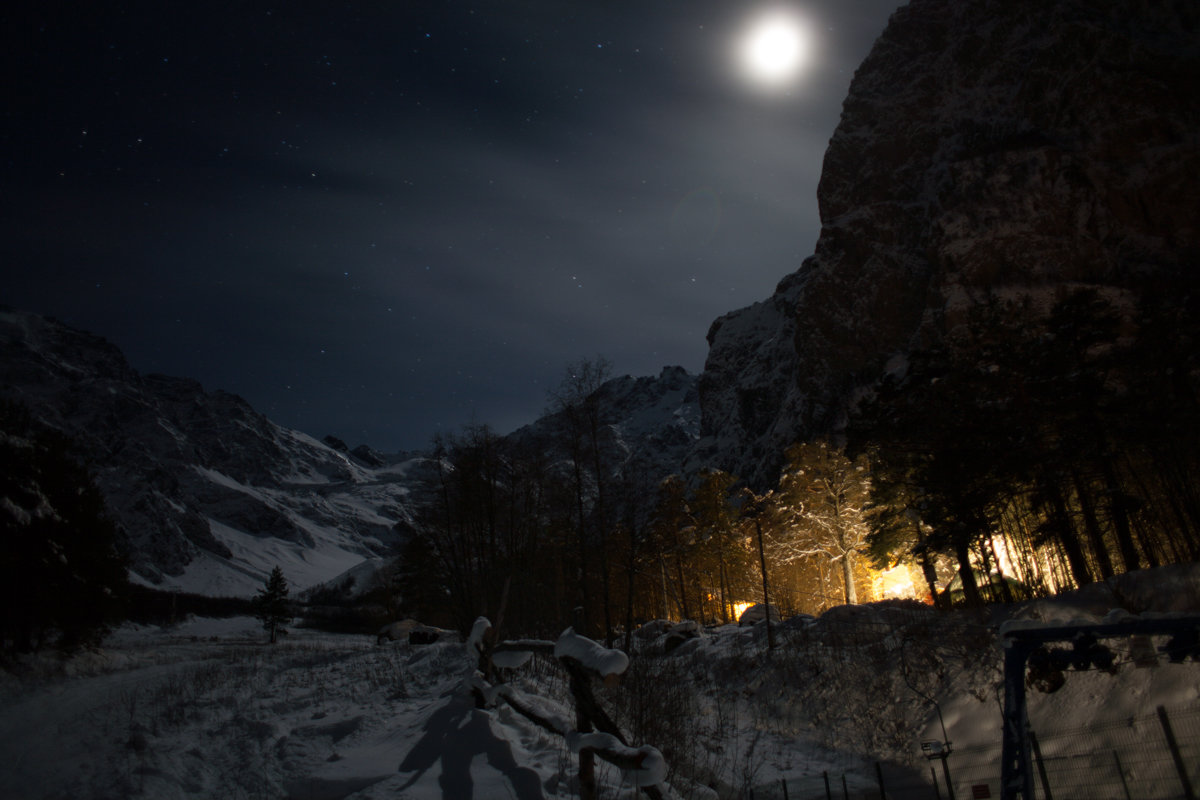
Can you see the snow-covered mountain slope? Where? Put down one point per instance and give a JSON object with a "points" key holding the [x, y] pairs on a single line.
{"points": [[984, 148], [209, 494]]}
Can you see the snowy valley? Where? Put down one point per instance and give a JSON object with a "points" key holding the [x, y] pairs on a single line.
{"points": [[206, 709]]}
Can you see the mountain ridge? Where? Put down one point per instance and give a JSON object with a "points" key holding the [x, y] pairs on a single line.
{"points": [[210, 494]]}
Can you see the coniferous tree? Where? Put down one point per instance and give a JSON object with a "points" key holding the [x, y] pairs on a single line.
{"points": [[273, 608]]}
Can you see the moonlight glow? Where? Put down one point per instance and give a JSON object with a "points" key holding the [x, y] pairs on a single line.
{"points": [[773, 48]]}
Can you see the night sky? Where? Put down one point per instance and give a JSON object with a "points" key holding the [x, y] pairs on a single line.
{"points": [[381, 220]]}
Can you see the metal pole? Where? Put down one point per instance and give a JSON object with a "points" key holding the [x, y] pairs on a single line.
{"points": [[828, 793], [1041, 766], [1171, 743], [783, 784], [1121, 775], [879, 777], [762, 559], [845, 791], [1016, 777], [946, 770], [937, 793]]}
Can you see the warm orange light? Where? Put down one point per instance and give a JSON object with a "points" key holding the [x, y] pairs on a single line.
{"points": [[739, 609], [894, 582]]}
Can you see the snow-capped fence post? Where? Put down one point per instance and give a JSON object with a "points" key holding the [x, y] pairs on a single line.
{"points": [[592, 732]]}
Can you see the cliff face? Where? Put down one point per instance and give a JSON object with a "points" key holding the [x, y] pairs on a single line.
{"points": [[995, 148]]}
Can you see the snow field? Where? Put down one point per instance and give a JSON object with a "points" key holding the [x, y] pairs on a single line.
{"points": [[314, 716], [206, 710]]}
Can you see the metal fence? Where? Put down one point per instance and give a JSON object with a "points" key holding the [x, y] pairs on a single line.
{"points": [[1154, 756]]}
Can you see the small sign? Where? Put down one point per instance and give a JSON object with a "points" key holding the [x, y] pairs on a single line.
{"points": [[932, 748], [980, 791]]}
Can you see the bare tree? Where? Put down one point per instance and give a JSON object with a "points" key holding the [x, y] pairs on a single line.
{"points": [[575, 399], [820, 509]]}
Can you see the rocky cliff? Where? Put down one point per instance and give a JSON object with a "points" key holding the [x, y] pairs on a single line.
{"points": [[987, 148], [648, 424]]}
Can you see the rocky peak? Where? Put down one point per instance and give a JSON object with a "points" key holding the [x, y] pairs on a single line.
{"points": [[650, 422], [986, 149]]}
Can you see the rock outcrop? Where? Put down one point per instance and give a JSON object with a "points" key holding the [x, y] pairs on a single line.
{"points": [[648, 424], [987, 148]]}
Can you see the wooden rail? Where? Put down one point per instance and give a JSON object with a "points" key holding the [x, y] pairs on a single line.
{"points": [[592, 733]]}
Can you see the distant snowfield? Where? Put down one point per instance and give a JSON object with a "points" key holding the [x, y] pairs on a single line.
{"points": [[330, 514], [205, 709]]}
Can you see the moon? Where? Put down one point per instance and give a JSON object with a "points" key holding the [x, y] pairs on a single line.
{"points": [[773, 48]]}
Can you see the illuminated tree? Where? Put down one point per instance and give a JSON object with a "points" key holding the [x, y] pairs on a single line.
{"points": [[820, 510]]}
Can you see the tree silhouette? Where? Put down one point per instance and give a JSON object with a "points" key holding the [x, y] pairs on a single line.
{"points": [[272, 605], [60, 570]]}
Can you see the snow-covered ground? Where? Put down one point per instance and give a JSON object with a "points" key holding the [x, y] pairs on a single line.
{"points": [[205, 709]]}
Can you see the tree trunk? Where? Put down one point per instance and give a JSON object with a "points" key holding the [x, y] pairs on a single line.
{"points": [[1066, 537], [762, 561], [848, 578], [682, 586], [962, 552], [629, 589], [1091, 524], [662, 568], [930, 573], [583, 559], [1119, 515]]}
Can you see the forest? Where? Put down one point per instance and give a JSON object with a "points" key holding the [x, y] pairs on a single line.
{"points": [[1034, 445]]}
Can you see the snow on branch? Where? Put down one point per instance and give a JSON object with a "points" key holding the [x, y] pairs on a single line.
{"points": [[514, 653], [478, 631], [583, 659], [644, 765], [592, 655]]}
